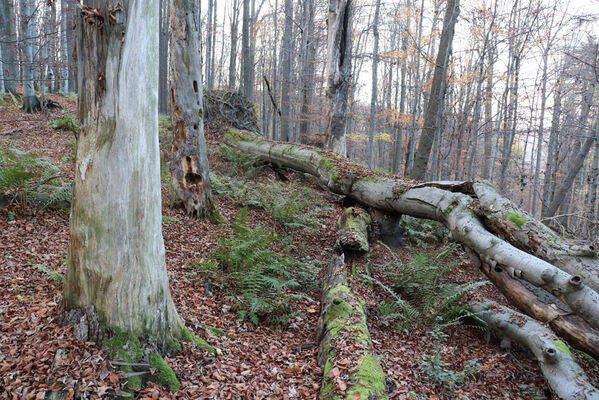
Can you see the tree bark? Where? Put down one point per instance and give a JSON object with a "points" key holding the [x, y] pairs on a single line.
{"points": [[233, 50], [338, 72], [343, 336], [432, 117], [286, 72], [64, 52], [31, 103], [571, 327], [564, 376], [8, 35], [247, 65], [163, 85], [189, 164], [116, 258], [308, 67], [353, 227], [453, 204], [375, 65], [575, 166]]}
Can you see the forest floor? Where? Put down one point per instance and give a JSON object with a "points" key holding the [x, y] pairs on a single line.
{"points": [[274, 359]]}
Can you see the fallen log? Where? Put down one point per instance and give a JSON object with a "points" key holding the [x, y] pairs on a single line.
{"points": [[353, 229], [570, 327], [447, 202], [532, 236], [563, 374], [345, 351]]}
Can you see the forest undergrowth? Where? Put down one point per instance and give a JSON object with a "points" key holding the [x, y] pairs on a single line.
{"points": [[249, 286]]}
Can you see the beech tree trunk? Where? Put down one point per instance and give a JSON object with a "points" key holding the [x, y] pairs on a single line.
{"points": [[455, 204], [31, 103], [338, 66], [432, 117], [8, 37], [64, 52], [163, 84], [286, 72], [116, 259], [189, 164], [344, 340]]}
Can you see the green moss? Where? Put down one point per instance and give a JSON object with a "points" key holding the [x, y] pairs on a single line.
{"points": [[187, 336], [516, 218], [216, 331], [235, 135], [369, 379], [126, 348], [365, 178], [561, 346], [398, 192], [164, 373], [172, 345]]}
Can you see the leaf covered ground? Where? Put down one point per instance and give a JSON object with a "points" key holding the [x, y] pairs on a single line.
{"points": [[273, 359]]}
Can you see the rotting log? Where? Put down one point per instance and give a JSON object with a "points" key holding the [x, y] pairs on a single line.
{"points": [[353, 228], [450, 203], [570, 327], [563, 374], [345, 351]]}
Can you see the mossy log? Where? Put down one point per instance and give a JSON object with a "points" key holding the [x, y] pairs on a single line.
{"points": [[345, 351], [452, 203], [563, 374], [353, 228]]}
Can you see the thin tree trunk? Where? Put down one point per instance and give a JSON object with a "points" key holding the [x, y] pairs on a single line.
{"points": [[31, 103], [437, 95], [163, 94], [117, 261], [8, 35], [308, 69], [374, 88], [246, 65], [575, 166], [286, 72], [233, 50], [338, 72]]}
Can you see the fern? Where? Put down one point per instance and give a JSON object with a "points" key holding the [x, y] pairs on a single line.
{"points": [[66, 122], [54, 276], [256, 273], [30, 179], [422, 284]]}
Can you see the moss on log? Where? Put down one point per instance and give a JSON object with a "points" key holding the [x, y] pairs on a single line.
{"points": [[353, 228], [345, 350]]}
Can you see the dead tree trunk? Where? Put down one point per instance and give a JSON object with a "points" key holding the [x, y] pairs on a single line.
{"points": [[189, 164], [454, 204], [338, 72], [564, 376], [345, 347]]}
